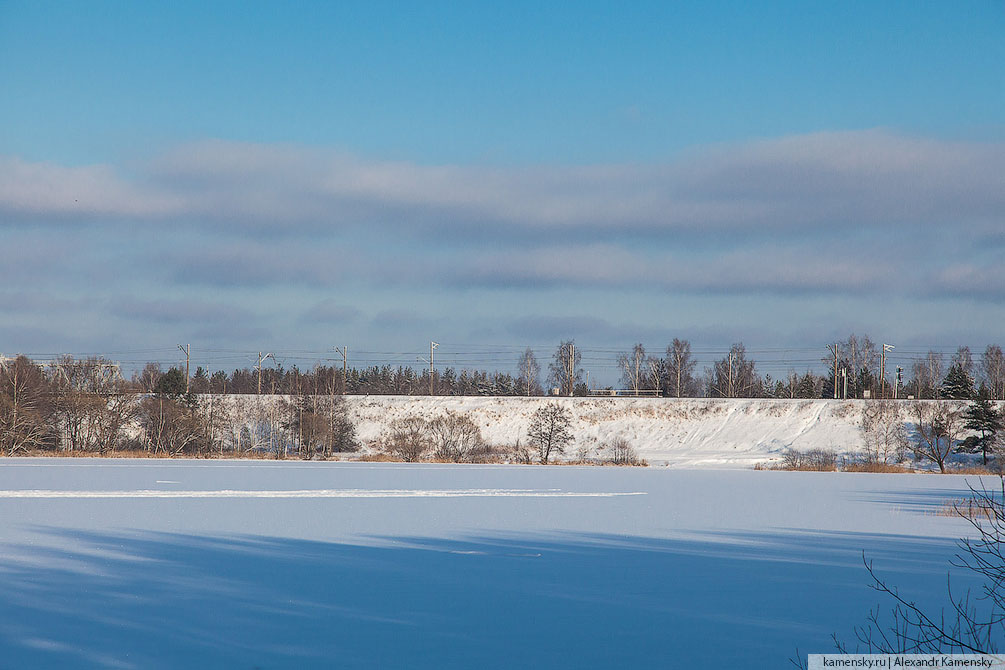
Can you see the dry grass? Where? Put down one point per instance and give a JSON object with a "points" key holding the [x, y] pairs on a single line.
{"points": [[140, 453], [122, 453], [967, 508], [970, 470], [378, 457], [877, 467]]}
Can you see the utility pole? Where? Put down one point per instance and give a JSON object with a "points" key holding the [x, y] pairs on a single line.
{"points": [[572, 368], [432, 345], [187, 350], [834, 350], [345, 366], [882, 370], [260, 359], [729, 383]]}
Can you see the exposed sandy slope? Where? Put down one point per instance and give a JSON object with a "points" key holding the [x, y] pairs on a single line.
{"points": [[693, 432]]}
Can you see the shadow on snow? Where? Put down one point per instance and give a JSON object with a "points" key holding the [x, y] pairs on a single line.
{"points": [[145, 600]]}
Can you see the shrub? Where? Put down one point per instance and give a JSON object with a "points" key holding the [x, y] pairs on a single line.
{"points": [[409, 439], [455, 438], [623, 453], [822, 460]]}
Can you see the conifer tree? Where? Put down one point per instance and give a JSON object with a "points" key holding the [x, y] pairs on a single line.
{"points": [[982, 417], [958, 385]]}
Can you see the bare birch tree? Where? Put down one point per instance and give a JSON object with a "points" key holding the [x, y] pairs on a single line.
{"points": [[530, 371], [993, 371], [633, 369], [883, 431], [564, 370], [734, 376], [680, 381], [927, 374]]}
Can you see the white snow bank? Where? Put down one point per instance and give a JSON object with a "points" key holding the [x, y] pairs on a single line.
{"points": [[688, 432]]}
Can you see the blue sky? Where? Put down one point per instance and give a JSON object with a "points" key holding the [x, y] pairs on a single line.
{"points": [[246, 176]]}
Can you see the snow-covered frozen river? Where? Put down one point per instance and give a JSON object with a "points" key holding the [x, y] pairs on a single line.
{"points": [[262, 564]]}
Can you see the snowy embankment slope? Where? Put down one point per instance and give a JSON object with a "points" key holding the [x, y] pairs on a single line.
{"points": [[689, 432]]}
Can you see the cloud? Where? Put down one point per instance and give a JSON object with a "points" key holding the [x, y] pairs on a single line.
{"points": [[970, 280], [754, 269], [175, 311], [394, 320], [256, 264], [60, 192], [854, 178], [548, 328], [820, 216], [331, 312]]}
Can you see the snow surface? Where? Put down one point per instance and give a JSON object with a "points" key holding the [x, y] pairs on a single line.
{"points": [[689, 432], [526, 566]]}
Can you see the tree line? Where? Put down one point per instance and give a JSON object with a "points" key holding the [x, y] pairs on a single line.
{"points": [[85, 406], [853, 368]]}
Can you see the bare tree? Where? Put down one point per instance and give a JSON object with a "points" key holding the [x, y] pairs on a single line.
{"points": [[927, 374], [409, 439], [564, 371], [883, 431], [455, 438], [862, 355], [993, 371], [734, 375], [964, 360], [680, 370], [530, 371], [633, 369], [23, 406], [90, 407], [623, 453], [656, 374], [550, 430], [169, 426], [219, 422], [147, 379], [938, 425]]}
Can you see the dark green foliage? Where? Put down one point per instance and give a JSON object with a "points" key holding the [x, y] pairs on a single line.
{"points": [[807, 387], [171, 383], [958, 385], [982, 417]]}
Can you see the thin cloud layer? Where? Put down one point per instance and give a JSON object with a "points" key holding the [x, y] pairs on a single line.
{"points": [[240, 244], [873, 178]]}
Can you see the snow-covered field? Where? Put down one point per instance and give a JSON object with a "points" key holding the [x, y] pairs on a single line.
{"points": [[690, 432], [253, 564]]}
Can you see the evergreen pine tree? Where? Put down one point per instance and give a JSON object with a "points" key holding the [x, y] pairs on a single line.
{"points": [[958, 385], [807, 386], [982, 417]]}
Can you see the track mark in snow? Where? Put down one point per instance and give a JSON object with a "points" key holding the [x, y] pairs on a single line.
{"points": [[321, 493]]}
